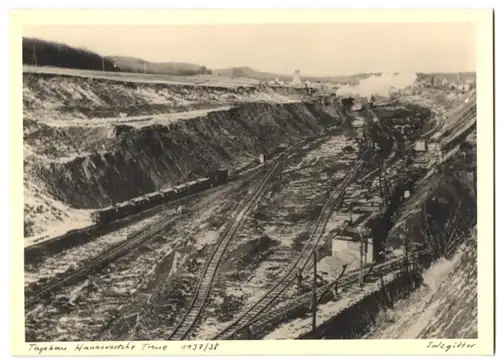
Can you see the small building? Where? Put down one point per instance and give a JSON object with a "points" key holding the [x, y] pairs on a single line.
{"points": [[420, 146], [296, 78], [350, 250], [369, 256]]}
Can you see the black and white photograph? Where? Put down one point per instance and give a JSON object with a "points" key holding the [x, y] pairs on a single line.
{"points": [[287, 181]]}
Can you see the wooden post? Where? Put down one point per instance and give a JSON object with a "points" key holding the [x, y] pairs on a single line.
{"points": [[361, 264], [365, 241], [299, 277], [314, 295], [381, 188], [361, 248], [248, 333], [405, 243]]}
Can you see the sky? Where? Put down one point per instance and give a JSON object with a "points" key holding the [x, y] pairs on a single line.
{"points": [[314, 49]]}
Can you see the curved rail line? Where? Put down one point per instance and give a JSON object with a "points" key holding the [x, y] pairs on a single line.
{"points": [[438, 126], [346, 283], [248, 180], [350, 279], [255, 311], [113, 253], [300, 262], [208, 274]]}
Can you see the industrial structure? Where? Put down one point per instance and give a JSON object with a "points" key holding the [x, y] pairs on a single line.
{"points": [[296, 80]]}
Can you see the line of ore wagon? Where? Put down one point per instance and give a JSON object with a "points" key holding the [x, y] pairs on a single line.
{"points": [[151, 200]]}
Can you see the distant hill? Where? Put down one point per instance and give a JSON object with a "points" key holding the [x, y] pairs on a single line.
{"points": [[44, 53], [137, 65], [248, 72]]}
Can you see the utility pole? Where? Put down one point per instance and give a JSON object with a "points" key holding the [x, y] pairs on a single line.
{"points": [[361, 264], [380, 180], [248, 332], [314, 295], [299, 278], [361, 248], [406, 246], [365, 242]]}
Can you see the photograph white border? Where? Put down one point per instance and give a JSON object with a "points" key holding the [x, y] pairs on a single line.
{"points": [[484, 56]]}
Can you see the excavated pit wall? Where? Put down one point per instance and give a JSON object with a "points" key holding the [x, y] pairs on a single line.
{"points": [[141, 160]]}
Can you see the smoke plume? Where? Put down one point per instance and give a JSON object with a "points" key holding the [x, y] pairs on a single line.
{"points": [[381, 86]]}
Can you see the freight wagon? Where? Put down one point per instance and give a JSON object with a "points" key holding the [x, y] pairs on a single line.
{"points": [[151, 200]]}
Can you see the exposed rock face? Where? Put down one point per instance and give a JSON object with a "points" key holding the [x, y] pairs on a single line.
{"points": [[72, 161], [134, 161]]}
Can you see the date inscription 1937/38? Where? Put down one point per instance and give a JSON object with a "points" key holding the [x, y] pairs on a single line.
{"points": [[200, 347]]}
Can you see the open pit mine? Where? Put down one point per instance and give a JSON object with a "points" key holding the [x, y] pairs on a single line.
{"points": [[169, 211]]}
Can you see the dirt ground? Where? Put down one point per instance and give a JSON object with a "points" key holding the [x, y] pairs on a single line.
{"points": [[168, 263], [143, 295], [152, 285]]}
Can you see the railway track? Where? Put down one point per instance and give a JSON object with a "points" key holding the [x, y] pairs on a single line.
{"points": [[207, 271], [124, 319], [255, 312], [204, 286], [464, 116], [347, 283], [438, 126], [300, 262], [260, 321], [114, 252], [107, 257]]}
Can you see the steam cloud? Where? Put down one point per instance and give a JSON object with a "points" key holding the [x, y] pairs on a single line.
{"points": [[381, 85]]}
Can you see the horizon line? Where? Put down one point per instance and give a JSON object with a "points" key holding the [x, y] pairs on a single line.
{"points": [[277, 73]]}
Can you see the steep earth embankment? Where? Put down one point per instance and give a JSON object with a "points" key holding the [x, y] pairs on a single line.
{"points": [[444, 307], [440, 217], [139, 161], [58, 97], [93, 164]]}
